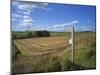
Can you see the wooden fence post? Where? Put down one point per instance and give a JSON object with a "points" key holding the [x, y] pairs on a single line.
{"points": [[72, 37]]}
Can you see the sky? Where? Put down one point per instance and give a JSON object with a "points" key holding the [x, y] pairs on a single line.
{"points": [[52, 16]]}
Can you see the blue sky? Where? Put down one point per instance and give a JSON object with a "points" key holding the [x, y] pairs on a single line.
{"points": [[52, 16]]}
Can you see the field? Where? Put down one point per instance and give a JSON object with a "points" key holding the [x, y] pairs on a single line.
{"points": [[39, 46], [52, 54]]}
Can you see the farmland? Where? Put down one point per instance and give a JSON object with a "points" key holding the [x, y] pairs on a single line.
{"points": [[52, 54], [41, 45]]}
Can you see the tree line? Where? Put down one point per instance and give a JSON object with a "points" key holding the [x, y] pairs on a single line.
{"points": [[31, 34]]}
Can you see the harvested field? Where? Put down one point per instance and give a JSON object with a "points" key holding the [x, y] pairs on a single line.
{"points": [[43, 45]]}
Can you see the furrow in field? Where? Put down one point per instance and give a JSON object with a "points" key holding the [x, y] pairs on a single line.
{"points": [[41, 45], [21, 48], [44, 44], [34, 46], [27, 48]]}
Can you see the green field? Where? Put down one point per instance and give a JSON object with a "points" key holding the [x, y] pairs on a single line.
{"points": [[52, 54]]}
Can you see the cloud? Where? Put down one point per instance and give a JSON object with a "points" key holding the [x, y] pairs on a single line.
{"points": [[16, 15], [74, 22], [65, 24], [27, 12], [23, 14], [62, 26], [26, 21], [26, 7]]}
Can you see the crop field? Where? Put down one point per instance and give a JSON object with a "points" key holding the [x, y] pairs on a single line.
{"points": [[52, 54]]}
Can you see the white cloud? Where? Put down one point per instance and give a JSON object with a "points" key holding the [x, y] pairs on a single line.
{"points": [[23, 12], [26, 7], [66, 24], [26, 12], [16, 15], [26, 21], [74, 22], [62, 26]]}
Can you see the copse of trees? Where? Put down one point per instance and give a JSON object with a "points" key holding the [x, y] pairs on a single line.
{"points": [[38, 34], [42, 33]]}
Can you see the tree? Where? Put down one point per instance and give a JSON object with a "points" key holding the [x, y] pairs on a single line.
{"points": [[42, 34], [14, 36], [30, 34]]}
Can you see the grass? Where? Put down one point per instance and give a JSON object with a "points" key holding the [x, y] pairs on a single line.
{"points": [[85, 58]]}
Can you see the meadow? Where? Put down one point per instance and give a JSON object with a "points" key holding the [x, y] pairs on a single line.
{"points": [[52, 54]]}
